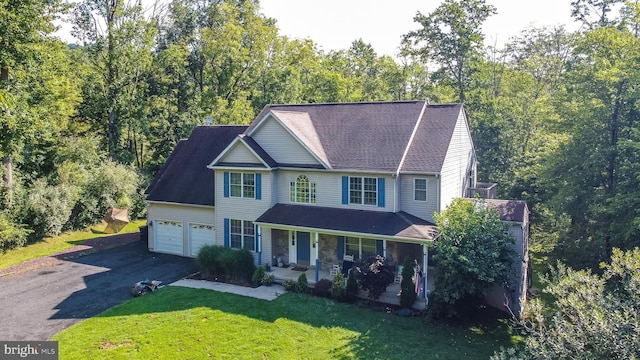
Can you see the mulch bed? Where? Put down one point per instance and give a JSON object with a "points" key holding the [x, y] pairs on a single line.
{"points": [[87, 247]]}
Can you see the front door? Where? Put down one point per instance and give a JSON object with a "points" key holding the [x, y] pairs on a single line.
{"points": [[303, 250]]}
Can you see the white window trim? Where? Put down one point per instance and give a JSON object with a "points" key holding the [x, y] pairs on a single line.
{"points": [[242, 185], [242, 234], [359, 255], [312, 193], [362, 190], [426, 190]]}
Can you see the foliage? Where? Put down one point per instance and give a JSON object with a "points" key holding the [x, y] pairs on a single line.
{"points": [[11, 235], [46, 208], [408, 294], [289, 285], [352, 289], [592, 316], [338, 286], [374, 276], [472, 253], [323, 288], [302, 285], [209, 260], [228, 264], [258, 276], [268, 279], [239, 264]]}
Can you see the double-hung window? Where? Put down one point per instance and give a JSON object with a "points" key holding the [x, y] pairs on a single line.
{"points": [[363, 190], [360, 248], [302, 190], [420, 189], [243, 234], [242, 185]]}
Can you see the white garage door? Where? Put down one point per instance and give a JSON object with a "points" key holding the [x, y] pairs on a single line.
{"points": [[199, 236], [169, 237]]}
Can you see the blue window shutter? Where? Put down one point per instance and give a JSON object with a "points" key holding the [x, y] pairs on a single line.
{"points": [[345, 190], [227, 232], [257, 239], [226, 184], [340, 247], [380, 192], [379, 247], [258, 186]]}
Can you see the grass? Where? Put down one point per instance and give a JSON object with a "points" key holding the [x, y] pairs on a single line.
{"points": [[184, 323], [51, 245]]}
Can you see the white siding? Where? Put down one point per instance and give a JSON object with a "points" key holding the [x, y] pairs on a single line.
{"points": [[454, 169], [281, 145], [184, 214], [421, 209], [242, 208], [240, 154], [329, 189]]}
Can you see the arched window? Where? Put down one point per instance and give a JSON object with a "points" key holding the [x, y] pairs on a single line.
{"points": [[302, 190]]}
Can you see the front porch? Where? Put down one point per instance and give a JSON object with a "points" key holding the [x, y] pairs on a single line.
{"points": [[390, 296]]}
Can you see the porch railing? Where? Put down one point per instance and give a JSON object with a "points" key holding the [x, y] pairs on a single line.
{"points": [[484, 190]]}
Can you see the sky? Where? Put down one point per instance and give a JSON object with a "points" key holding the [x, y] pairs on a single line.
{"points": [[335, 24]]}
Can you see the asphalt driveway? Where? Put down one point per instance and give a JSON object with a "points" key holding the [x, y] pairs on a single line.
{"points": [[37, 304]]}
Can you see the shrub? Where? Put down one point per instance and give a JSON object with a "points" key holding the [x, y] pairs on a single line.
{"points": [[351, 291], [374, 276], [268, 279], [407, 287], [338, 286], [322, 288], [210, 260], [239, 264], [11, 235], [289, 285], [258, 276], [46, 209], [302, 285]]}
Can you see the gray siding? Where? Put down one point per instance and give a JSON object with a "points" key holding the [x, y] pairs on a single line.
{"points": [[454, 168], [421, 209], [240, 154], [281, 145], [329, 189]]}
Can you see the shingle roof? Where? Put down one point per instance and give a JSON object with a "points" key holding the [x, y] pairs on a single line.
{"points": [[185, 177], [368, 136], [398, 224], [510, 210]]}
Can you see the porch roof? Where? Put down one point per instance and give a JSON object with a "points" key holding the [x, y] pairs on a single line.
{"points": [[398, 225]]}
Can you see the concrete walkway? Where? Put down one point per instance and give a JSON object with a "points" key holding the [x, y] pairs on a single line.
{"points": [[262, 292]]}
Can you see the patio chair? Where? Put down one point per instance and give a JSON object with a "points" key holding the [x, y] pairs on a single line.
{"points": [[335, 269]]}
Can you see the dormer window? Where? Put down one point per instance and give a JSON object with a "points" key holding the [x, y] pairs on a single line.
{"points": [[302, 190]]}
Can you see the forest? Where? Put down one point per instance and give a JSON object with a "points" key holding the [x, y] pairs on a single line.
{"points": [[555, 115]]}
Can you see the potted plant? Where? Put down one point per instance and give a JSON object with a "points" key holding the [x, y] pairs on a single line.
{"points": [[267, 267], [268, 279]]}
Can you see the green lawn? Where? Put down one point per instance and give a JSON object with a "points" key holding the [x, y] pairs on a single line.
{"points": [[183, 323], [54, 244]]}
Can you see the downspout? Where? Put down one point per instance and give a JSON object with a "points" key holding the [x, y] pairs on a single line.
{"points": [[395, 192]]}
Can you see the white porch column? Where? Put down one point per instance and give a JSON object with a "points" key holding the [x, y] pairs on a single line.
{"points": [[384, 248], [425, 262], [317, 237]]}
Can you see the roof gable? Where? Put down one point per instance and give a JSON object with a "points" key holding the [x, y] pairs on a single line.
{"points": [[185, 178], [240, 153]]}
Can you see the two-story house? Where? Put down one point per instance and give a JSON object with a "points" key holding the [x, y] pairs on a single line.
{"points": [[314, 184]]}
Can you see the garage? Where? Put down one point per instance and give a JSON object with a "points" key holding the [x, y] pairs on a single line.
{"points": [[169, 237], [199, 236]]}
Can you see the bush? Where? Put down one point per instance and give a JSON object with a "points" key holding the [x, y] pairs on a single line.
{"points": [[322, 288], [351, 291], [46, 209], [407, 286], [302, 285], [338, 286], [374, 276], [11, 235], [239, 265], [258, 276], [209, 260], [226, 263], [289, 285], [268, 279]]}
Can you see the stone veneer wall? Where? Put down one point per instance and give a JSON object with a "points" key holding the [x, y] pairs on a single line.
{"points": [[328, 250], [280, 246]]}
